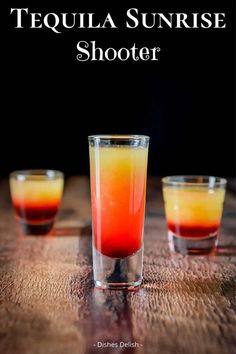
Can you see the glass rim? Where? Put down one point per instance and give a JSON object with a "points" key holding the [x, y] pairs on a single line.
{"points": [[200, 180], [114, 137], [45, 174]]}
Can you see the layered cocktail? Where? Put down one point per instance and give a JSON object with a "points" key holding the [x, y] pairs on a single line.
{"points": [[193, 207], [118, 168], [36, 197]]}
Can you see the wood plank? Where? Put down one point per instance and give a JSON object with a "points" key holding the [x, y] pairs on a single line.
{"points": [[48, 303]]}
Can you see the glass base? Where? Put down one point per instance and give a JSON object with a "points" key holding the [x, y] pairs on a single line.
{"points": [[37, 230], [192, 246], [117, 273]]}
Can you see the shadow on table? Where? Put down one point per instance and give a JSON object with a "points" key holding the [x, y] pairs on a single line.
{"points": [[69, 224], [229, 250], [79, 230]]}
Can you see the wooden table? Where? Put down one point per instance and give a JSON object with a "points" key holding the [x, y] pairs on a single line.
{"points": [[49, 305]]}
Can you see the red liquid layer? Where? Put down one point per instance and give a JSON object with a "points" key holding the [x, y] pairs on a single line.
{"points": [[197, 231], [36, 213], [120, 239]]}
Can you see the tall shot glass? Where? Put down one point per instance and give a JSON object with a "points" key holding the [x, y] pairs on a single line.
{"points": [[118, 172], [193, 207]]}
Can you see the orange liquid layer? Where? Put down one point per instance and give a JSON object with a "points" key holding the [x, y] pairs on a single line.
{"points": [[118, 188]]}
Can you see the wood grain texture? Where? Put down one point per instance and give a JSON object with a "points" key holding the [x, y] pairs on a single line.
{"points": [[48, 305]]}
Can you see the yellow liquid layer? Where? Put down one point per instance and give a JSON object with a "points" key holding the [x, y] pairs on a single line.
{"points": [[35, 190], [124, 161], [118, 174], [193, 206]]}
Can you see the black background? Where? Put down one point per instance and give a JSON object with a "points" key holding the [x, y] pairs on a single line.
{"points": [[185, 101]]}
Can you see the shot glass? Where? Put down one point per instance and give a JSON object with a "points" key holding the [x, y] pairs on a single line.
{"points": [[118, 172], [193, 208], [36, 197]]}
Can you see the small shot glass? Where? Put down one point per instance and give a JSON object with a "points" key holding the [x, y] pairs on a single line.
{"points": [[193, 208], [36, 197]]}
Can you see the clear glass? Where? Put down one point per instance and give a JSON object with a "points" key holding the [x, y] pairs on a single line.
{"points": [[118, 172], [193, 208], [36, 197]]}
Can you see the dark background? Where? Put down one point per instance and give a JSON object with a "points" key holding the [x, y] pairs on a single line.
{"points": [[185, 102]]}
